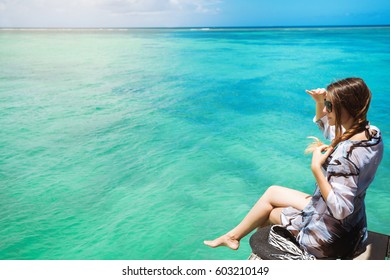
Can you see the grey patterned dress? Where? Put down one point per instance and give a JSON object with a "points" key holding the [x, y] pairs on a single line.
{"points": [[337, 228]]}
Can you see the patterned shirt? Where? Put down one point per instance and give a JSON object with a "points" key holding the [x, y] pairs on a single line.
{"points": [[337, 227]]}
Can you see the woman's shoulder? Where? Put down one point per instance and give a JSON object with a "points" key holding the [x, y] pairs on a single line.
{"points": [[363, 152]]}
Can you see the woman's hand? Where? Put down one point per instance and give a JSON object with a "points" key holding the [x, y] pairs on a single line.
{"points": [[320, 154], [317, 94]]}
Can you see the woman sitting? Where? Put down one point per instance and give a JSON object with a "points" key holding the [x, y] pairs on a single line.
{"points": [[332, 222]]}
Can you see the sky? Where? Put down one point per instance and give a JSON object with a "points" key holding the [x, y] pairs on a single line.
{"points": [[190, 13]]}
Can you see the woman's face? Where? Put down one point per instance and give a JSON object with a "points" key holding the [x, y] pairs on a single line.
{"points": [[331, 115]]}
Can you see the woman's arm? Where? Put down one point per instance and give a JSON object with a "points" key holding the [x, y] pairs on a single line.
{"points": [[339, 188], [319, 96]]}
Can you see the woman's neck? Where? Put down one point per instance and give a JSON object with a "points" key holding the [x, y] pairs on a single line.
{"points": [[358, 136], [348, 124]]}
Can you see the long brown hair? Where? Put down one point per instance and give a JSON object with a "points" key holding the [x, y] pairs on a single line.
{"points": [[354, 96]]}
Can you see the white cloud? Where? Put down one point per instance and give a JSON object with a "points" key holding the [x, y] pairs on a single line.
{"points": [[119, 6], [4, 4], [134, 6], [159, 6], [74, 13]]}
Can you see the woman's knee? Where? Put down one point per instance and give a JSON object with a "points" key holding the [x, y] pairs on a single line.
{"points": [[269, 193], [273, 190], [279, 196]]}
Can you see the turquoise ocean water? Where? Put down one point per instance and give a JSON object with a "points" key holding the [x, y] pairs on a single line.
{"points": [[140, 144]]}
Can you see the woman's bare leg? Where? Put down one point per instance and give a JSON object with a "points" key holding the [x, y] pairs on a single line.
{"points": [[267, 209]]}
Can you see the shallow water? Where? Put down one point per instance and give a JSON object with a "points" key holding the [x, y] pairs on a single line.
{"points": [[140, 144]]}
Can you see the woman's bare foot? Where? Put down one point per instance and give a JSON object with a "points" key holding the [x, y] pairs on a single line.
{"points": [[225, 240]]}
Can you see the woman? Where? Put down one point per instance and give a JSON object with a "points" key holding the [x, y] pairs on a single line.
{"points": [[332, 222]]}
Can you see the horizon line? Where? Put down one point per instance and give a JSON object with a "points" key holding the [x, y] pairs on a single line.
{"points": [[196, 27]]}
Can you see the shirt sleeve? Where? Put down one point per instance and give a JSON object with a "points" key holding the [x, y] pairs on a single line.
{"points": [[323, 125], [342, 175]]}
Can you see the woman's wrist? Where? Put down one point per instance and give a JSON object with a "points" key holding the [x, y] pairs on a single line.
{"points": [[315, 167]]}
